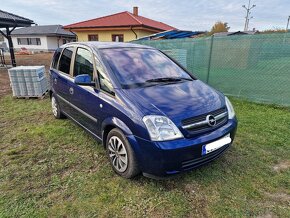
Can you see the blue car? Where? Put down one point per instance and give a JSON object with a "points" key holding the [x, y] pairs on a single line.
{"points": [[151, 115]]}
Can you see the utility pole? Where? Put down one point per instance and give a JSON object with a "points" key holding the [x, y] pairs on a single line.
{"points": [[248, 9], [287, 25]]}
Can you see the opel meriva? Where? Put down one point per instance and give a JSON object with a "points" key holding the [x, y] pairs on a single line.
{"points": [[151, 115]]}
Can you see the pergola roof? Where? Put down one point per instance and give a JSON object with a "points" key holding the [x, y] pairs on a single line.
{"points": [[7, 21], [11, 20]]}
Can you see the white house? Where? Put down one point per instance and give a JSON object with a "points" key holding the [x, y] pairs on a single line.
{"points": [[40, 38]]}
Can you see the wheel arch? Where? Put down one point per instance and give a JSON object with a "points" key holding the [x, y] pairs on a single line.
{"points": [[110, 123]]}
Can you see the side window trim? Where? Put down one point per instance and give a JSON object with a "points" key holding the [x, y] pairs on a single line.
{"points": [[72, 61], [98, 59]]}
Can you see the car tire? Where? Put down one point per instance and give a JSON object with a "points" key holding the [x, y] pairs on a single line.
{"points": [[121, 155], [56, 111]]}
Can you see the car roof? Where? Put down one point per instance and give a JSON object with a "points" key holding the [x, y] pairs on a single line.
{"points": [[103, 45]]}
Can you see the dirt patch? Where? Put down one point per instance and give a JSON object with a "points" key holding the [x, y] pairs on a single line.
{"points": [[32, 59], [199, 203], [267, 215], [284, 165], [282, 197], [4, 82]]}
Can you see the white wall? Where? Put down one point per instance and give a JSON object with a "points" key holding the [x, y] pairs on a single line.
{"points": [[47, 43], [52, 43], [42, 47]]}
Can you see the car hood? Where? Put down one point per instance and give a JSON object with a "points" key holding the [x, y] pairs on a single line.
{"points": [[177, 101]]}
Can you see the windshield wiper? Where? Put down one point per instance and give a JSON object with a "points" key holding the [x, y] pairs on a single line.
{"points": [[167, 79]]}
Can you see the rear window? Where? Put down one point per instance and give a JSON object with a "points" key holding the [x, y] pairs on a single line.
{"points": [[55, 58], [65, 60], [136, 66]]}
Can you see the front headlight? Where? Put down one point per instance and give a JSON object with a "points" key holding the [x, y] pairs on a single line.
{"points": [[230, 108], [161, 128]]}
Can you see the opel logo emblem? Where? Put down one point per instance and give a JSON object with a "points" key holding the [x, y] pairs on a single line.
{"points": [[211, 121]]}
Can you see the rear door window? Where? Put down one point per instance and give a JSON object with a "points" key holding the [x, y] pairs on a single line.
{"points": [[84, 63], [65, 60], [56, 58]]}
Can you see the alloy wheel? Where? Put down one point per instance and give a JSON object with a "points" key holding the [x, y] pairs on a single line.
{"points": [[118, 154], [54, 106]]}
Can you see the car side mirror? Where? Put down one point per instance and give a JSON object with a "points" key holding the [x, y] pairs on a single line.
{"points": [[84, 80]]}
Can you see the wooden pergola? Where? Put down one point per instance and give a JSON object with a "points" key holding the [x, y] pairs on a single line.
{"points": [[9, 22]]}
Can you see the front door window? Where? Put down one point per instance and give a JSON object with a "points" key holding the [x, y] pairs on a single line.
{"points": [[83, 63]]}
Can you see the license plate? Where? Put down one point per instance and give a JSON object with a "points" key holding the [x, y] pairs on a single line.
{"points": [[216, 144]]}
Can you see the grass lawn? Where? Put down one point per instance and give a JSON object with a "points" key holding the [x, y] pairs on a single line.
{"points": [[51, 167]]}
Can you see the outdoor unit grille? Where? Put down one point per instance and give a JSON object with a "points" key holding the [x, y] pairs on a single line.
{"points": [[28, 81]]}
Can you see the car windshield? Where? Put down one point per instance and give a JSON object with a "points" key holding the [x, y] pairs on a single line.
{"points": [[135, 67]]}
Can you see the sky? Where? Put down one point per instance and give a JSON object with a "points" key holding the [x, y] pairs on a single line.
{"points": [[196, 15]]}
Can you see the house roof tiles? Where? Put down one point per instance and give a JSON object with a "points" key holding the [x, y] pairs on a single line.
{"points": [[122, 19]]}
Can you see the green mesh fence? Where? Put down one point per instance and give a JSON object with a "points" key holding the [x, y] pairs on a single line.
{"points": [[256, 67]]}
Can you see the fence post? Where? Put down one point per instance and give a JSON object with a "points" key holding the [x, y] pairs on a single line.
{"points": [[209, 59]]}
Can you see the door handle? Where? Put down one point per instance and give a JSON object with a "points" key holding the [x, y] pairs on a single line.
{"points": [[71, 90]]}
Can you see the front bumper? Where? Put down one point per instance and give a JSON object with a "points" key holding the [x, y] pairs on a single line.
{"points": [[160, 159]]}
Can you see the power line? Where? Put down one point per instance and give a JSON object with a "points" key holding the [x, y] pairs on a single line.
{"points": [[248, 17]]}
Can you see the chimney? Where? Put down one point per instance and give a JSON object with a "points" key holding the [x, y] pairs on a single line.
{"points": [[135, 11]]}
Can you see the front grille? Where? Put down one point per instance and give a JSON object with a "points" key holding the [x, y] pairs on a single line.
{"points": [[199, 124], [189, 164]]}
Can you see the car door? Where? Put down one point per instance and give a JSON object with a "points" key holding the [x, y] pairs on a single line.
{"points": [[87, 107], [62, 79]]}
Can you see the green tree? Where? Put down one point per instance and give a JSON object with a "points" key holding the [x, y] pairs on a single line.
{"points": [[219, 27]]}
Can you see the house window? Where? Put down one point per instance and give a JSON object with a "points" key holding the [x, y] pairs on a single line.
{"points": [[118, 38], [38, 42], [28, 41], [22, 41], [93, 37]]}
